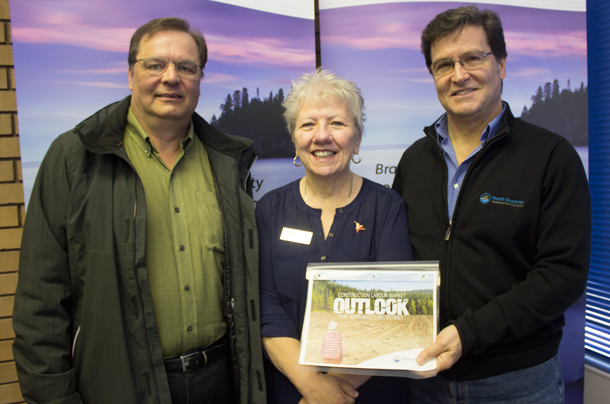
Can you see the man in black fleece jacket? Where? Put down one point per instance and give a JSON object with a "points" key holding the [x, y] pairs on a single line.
{"points": [[505, 207]]}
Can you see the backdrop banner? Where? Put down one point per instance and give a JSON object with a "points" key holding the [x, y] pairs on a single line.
{"points": [[71, 60], [377, 45]]}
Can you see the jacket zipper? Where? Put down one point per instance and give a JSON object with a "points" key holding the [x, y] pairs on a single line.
{"points": [[135, 300], [445, 274], [75, 338], [440, 155], [446, 179], [486, 146]]}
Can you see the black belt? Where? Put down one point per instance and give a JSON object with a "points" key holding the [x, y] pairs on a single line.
{"points": [[197, 359]]}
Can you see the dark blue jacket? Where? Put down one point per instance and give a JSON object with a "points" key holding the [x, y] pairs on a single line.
{"points": [[516, 254]]}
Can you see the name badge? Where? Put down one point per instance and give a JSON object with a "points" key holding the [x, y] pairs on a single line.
{"points": [[296, 236]]}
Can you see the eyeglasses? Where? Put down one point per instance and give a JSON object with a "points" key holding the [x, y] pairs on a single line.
{"points": [[468, 61], [186, 68]]}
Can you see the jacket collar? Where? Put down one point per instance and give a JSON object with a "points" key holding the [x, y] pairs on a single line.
{"points": [[103, 133], [508, 121]]}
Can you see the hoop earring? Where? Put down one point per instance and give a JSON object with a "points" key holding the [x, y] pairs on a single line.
{"points": [[294, 161], [359, 158]]}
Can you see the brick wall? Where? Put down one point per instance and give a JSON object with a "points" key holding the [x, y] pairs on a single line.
{"points": [[11, 208]]}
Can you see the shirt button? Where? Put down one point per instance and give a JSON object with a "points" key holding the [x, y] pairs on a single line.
{"points": [[456, 185], [189, 328], [323, 258], [330, 234], [340, 210], [187, 288], [182, 248], [177, 210]]}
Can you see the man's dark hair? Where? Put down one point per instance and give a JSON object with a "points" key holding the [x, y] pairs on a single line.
{"points": [[457, 19], [166, 24]]}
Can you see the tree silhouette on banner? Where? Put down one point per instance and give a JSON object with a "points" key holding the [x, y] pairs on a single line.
{"points": [[259, 120], [561, 111]]}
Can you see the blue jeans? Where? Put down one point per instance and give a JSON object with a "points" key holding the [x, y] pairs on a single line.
{"points": [[542, 384]]}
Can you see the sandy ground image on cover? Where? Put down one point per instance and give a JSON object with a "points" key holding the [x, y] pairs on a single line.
{"points": [[367, 339]]}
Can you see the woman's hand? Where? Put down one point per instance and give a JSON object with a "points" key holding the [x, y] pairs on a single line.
{"points": [[316, 387], [355, 380], [329, 389]]}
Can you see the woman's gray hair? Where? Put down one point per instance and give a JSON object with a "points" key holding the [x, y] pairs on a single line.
{"points": [[321, 86]]}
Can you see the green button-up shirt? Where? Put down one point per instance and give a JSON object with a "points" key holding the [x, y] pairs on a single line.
{"points": [[184, 247]]}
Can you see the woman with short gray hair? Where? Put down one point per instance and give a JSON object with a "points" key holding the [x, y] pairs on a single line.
{"points": [[349, 218]]}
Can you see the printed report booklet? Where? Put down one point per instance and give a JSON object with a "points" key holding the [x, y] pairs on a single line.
{"points": [[370, 318]]}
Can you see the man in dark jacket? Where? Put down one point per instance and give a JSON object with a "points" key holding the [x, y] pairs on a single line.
{"points": [[138, 276], [505, 207]]}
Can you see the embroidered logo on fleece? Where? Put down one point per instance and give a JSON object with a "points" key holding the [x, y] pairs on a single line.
{"points": [[502, 200]]}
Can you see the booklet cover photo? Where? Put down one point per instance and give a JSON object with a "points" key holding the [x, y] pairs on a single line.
{"points": [[370, 319]]}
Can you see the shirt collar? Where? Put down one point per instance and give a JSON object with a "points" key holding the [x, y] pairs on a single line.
{"points": [[138, 134], [442, 132]]}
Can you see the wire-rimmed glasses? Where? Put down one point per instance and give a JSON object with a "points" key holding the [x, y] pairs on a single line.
{"points": [[186, 68], [468, 61]]}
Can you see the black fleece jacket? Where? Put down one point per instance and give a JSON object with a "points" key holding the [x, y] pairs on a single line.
{"points": [[516, 254]]}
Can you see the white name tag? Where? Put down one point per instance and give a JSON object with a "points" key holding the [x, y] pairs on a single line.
{"points": [[296, 236]]}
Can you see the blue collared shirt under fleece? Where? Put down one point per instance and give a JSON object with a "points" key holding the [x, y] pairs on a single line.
{"points": [[456, 173]]}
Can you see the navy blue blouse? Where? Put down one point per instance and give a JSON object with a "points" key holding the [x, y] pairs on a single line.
{"points": [[282, 264]]}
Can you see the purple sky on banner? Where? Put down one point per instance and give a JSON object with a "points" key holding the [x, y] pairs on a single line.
{"points": [[71, 57], [378, 47]]}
